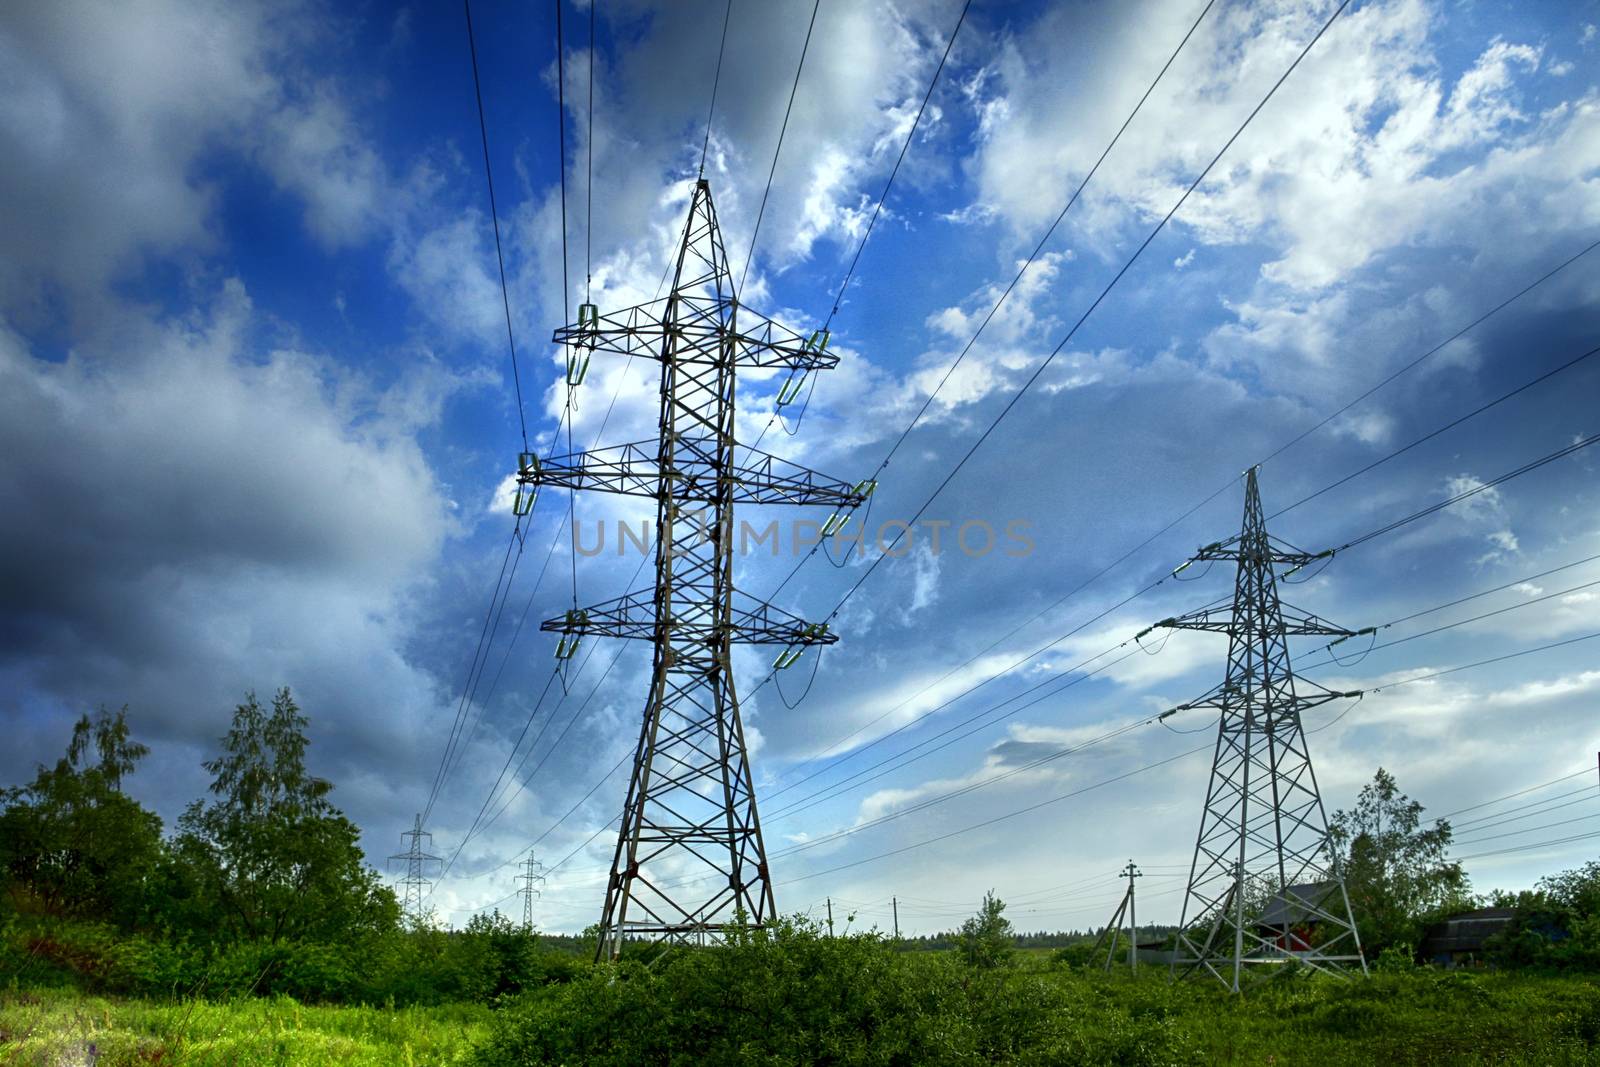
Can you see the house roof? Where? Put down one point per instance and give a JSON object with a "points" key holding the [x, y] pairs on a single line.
{"points": [[1297, 904]]}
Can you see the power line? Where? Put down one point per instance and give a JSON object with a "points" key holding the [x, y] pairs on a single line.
{"points": [[494, 218], [1148, 588], [1084, 317], [1532, 465], [1060, 753], [1520, 792], [1005, 293], [716, 80], [1140, 770], [1529, 848], [1507, 302], [782, 130], [872, 221], [904, 148], [1502, 398], [588, 222]]}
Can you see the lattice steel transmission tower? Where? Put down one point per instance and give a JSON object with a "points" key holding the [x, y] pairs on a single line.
{"points": [[530, 883], [1263, 888], [690, 818], [418, 863]]}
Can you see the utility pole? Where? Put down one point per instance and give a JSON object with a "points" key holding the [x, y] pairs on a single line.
{"points": [[531, 887], [418, 864], [689, 858], [1114, 927], [895, 903], [830, 916], [1262, 871], [1130, 872]]}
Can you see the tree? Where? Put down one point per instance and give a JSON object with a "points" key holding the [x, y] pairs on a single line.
{"points": [[1394, 868], [985, 939], [277, 857], [71, 842]]}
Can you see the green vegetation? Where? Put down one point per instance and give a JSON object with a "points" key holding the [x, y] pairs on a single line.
{"points": [[1396, 870], [56, 1027], [257, 934], [792, 995]]}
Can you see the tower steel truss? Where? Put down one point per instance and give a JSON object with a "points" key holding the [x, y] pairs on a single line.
{"points": [[418, 863], [1263, 888], [689, 858]]}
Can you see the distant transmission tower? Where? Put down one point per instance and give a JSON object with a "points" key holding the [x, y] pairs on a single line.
{"points": [[531, 886], [690, 816], [418, 862], [1262, 887]]}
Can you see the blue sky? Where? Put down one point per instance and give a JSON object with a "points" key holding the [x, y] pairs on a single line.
{"points": [[258, 410]]}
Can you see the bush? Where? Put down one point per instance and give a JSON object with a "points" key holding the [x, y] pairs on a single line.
{"points": [[790, 995]]}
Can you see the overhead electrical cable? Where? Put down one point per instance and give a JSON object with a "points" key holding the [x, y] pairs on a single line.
{"points": [[1078, 324], [778, 149], [1140, 770], [1502, 398], [1006, 292], [1150, 587], [872, 221], [716, 80], [1064, 680], [494, 218]]}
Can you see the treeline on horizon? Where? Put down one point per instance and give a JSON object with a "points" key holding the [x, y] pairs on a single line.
{"points": [[262, 888]]}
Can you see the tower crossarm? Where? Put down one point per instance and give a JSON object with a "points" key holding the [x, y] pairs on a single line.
{"points": [[1277, 552], [636, 470], [1224, 620], [1225, 697], [751, 622], [708, 328]]}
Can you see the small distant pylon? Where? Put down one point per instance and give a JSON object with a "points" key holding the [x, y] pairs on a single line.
{"points": [[419, 862], [1263, 888], [531, 886]]}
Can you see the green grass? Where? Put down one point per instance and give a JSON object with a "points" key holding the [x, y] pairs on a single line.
{"points": [[1033, 1013], [58, 1027]]}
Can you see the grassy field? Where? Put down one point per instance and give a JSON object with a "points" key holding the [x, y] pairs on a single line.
{"points": [[60, 1028], [1034, 1014]]}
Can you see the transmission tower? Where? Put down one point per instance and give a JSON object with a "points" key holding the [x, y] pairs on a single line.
{"points": [[690, 817], [419, 862], [531, 886], [1262, 888]]}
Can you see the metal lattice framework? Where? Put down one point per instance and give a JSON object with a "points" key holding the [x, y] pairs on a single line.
{"points": [[418, 863], [690, 817], [530, 883], [1262, 887]]}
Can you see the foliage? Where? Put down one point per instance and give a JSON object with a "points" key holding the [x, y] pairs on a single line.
{"points": [[794, 996], [1557, 925], [71, 842], [985, 939], [56, 1027], [273, 857], [790, 994], [1395, 869]]}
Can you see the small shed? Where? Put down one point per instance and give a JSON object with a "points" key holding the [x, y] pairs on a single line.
{"points": [[1459, 940]]}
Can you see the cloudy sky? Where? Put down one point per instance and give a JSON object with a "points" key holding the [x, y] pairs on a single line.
{"points": [[258, 412]]}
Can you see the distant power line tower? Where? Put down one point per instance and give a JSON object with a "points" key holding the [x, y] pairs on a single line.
{"points": [[690, 816], [1262, 887], [419, 862], [531, 886]]}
